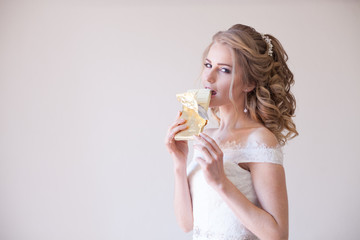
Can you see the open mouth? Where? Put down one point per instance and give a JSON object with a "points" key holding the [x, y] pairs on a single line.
{"points": [[213, 92]]}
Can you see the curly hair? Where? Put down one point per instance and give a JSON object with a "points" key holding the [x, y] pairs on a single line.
{"points": [[271, 101]]}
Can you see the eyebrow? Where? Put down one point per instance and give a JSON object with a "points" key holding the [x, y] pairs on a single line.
{"points": [[219, 63]]}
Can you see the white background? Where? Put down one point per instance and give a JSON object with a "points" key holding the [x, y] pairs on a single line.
{"points": [[87, 91]]}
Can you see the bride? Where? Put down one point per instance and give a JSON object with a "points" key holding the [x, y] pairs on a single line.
{"points": [[234, 187]]}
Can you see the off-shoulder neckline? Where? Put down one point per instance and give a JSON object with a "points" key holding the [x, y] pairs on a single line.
{"points": [[234, 145]]}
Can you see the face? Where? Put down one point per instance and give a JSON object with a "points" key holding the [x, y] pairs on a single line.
{"points": [[217, 75]]}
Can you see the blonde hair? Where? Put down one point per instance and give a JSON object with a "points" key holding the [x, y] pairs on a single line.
{"points": [[271, 101]]}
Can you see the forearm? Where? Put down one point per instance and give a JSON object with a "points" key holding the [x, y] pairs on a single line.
{"points": [[256, 219], [182, 199]]}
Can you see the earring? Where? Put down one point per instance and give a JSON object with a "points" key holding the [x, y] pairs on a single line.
{"points": [[245, 109]]}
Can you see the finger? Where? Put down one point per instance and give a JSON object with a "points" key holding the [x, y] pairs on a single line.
{"points": [[201, 162], [207, 155], [177, 129], [178, 122], [212, 142], [178, 115], [205, 143]]}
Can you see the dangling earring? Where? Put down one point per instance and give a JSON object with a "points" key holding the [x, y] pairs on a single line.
{"points": [[245, 109]]}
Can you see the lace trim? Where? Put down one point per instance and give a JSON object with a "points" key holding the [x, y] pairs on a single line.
{"points": [[231, 145], [201, 234], [252, 152]]}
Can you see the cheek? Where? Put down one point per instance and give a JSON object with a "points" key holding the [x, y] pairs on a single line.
{"points": [[224, 90], [225, 84], [237, 90]]}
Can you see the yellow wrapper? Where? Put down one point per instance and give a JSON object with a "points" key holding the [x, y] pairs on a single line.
{"points": [[190, 101]]}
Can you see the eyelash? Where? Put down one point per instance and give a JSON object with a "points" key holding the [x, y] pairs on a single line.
{"points": [[207, 65], [224, 70]]}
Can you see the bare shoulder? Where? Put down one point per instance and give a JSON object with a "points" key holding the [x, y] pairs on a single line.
{"points": [[263, 135]]}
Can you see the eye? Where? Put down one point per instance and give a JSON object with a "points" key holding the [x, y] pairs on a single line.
{"points": [[225, 70], [207, 65]]}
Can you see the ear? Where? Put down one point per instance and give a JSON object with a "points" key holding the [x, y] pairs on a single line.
{"points": [[249, 87]]}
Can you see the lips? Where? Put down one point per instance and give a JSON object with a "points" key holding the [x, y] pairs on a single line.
{"points": [[213, 92]]}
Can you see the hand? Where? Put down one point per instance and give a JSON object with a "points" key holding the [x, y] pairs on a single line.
{"points": [[212, 163], [178, 149]]}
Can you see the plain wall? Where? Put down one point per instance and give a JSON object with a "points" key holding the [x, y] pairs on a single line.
{"points": [[87, 92]]}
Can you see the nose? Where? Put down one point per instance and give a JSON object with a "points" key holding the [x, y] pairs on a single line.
{"points": [[209, 75]]}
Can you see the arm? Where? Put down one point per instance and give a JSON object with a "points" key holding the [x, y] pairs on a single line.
{"points": [[182, 200], [179, 152], [270, 221]]}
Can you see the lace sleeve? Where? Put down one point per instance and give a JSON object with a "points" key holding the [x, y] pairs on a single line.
{"points": [[253, 153]]}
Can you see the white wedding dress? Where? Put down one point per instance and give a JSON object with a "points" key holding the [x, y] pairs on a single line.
{"points": [[213, 219]]}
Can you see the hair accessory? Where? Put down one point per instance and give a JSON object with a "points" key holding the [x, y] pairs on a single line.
{"points": [[268, 43]]}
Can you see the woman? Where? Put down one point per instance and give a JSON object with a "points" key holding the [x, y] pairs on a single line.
{"points": [[235, 186]]}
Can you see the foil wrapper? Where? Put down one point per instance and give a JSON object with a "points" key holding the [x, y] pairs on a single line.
{"points": [[195, 103]]}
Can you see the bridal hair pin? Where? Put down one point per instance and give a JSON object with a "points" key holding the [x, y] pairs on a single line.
{"points": [[268, 42]]}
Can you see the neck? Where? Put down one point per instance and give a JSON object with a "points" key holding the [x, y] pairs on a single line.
{"points": [[230, 120]]}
